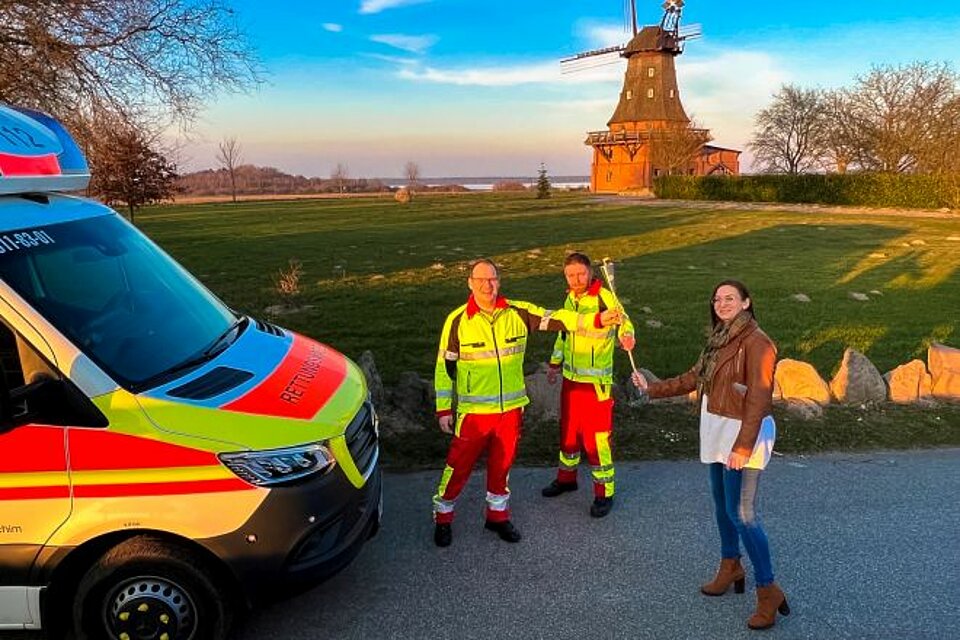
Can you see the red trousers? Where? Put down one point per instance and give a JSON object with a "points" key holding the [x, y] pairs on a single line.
{"points": [[496, 433], [586, 423]]}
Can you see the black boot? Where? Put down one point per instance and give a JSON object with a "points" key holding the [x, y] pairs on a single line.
{"points": [[555, 488], [505, 530], [601, 507], [443, 535]]}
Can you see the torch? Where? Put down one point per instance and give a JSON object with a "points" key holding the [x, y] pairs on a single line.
{"points": [[607, 269]]}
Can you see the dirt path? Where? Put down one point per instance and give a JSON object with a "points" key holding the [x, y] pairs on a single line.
{"points": [[780, 206]]}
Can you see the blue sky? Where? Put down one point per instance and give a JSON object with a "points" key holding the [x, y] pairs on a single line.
{"points": [[474, 88]]}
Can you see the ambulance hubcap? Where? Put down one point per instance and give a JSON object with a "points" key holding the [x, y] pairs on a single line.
{"points": [[150, 609]]}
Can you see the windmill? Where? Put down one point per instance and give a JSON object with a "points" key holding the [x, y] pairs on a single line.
{"points": [[649, 122], [671, 36]]}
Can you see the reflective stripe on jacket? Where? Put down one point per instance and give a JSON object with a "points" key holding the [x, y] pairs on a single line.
{"points": [[484, 352], [586, 354]]}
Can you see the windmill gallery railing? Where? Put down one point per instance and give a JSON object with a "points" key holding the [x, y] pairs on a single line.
{"points": [[632, 140]]}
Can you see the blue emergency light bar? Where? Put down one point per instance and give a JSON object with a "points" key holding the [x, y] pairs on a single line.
{"points": [[37, 154]]}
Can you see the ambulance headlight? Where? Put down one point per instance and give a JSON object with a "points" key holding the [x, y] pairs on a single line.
{"points": [[280, 466]]}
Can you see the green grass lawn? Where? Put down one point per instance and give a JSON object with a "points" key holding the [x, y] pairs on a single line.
{"points": [[382, 276]]}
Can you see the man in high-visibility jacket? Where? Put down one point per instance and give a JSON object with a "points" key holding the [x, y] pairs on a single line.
{"points": [[481, 350], [586, 407]]}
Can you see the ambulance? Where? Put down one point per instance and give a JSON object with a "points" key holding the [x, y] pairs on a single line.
{"points": [[165, 461]]}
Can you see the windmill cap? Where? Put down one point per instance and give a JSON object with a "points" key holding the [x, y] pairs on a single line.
{"points": [[37, 154]]}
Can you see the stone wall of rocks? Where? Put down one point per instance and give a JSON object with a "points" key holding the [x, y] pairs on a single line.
{"points": [[409, 405]]}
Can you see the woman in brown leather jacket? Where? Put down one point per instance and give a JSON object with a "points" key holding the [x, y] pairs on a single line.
{"points": [[734, 382]]}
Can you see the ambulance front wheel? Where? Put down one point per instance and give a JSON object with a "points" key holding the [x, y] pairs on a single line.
{"points": [[145, 588]]}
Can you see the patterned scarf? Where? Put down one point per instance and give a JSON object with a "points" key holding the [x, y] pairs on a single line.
{"points": [[721, 335]]}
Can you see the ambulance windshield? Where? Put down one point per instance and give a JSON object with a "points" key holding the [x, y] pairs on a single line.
{"points": [[116, 296]]}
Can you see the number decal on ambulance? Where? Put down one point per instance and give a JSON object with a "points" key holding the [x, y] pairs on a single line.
{"points": [[24, 240]]}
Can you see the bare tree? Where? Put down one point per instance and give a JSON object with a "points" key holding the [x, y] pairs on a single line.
{"points": [[940, 155], [153, 60], [127, 164], [673, 149], [340, 175], [903, 116], [839, 134], [411, 171], [229, 157], [788, 134]]}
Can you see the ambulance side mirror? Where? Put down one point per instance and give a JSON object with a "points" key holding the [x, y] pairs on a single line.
{"points": [[54, 401]]}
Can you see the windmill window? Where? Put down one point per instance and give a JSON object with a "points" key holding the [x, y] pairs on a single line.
{"points": [[629, 94], [650, 72], [671, 93], [649, 93]]}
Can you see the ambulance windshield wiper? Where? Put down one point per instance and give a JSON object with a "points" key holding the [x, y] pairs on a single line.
{"points": [[216, 347], [224, 340]]}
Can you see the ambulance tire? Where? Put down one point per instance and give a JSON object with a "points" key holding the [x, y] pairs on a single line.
{"points": [[167, 579]]}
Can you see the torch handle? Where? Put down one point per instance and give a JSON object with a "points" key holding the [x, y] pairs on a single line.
{"points": [[616, 299]]}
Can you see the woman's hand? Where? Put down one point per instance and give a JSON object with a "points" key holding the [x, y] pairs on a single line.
{"points": [[638, 380], [736, 461]]}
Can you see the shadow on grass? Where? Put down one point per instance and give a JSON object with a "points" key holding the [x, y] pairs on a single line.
{"points": [[892, 326]]}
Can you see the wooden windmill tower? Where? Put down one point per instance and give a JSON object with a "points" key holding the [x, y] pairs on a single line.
{"points": [[649, 133]]}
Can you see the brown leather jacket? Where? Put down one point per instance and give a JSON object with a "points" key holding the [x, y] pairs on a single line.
{"points": [[742, 385]]}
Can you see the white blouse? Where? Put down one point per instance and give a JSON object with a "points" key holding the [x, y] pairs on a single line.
{"points": [[718, 435]]}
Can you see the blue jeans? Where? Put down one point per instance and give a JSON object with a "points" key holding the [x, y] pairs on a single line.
{"points": [[734, 500]]}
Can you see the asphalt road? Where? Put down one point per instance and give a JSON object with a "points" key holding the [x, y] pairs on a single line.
{"points": [[865, 546]]}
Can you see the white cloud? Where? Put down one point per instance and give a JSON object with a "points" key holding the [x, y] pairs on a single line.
{"points": [[376, 6], [512, 75], [724, 90], [413, 44], [333, 27], [599, 36], [397, 60]]}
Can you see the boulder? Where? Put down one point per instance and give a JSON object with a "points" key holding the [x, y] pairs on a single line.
{"points": [[409, 406], [909, 383], [544, 397], [374, 383], [944, 364], [627, 393], [796, 380], [858, 381], [804, 408]]}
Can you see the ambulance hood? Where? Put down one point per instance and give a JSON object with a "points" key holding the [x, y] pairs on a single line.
{"points": [[271, 388]]}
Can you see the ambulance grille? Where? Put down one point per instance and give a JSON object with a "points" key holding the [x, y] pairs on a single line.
{"points": [[266, 327], [211, 384], [361, 438]]}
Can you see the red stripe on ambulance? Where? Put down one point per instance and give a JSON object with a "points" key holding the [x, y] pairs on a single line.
{"points": [[159, 488], [93, 450], [34, 493], [32, 448], [305, 380], [14, 165]]}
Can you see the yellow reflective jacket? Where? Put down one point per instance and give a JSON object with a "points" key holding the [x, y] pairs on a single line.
{"points": [[587, 353], [484, 353]]}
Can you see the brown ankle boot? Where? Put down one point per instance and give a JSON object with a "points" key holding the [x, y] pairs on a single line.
{"points": [[770, 599], [730, 572]]}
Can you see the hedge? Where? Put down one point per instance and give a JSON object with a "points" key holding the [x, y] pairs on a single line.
{"points": [[867, 189]]}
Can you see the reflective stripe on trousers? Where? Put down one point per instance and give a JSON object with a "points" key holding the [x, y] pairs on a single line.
{"points": [[497, 434]]}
